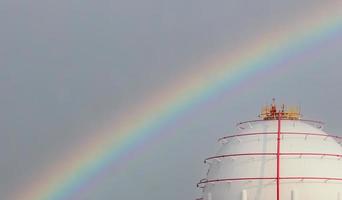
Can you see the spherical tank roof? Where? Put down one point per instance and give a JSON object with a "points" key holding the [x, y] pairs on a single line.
{"points": [[305, 163]]}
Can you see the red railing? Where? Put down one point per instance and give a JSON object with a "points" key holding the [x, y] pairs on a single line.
{"points": [[274, 154], [302, 120], [326, 179], [282, 133]]}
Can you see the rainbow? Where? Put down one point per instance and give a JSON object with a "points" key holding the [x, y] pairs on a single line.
{"points": [[109, 146]]}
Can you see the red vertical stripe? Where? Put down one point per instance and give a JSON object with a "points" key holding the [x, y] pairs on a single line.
{"points": [[278, 156]]}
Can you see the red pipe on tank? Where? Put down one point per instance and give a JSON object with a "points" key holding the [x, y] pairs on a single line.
{"points": [[278, 156]]}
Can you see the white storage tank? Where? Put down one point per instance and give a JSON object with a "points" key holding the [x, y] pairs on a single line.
{"points": [[279, 157]]}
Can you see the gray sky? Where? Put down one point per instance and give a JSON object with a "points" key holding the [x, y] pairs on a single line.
{"points": [[68, 67]]}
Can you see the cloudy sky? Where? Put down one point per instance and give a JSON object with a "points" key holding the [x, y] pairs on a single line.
{"points": [[69, 68]]}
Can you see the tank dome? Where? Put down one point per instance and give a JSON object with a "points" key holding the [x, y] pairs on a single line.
{"points": [[277, 157]]}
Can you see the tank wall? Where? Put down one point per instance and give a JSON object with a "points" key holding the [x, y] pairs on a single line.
{"points": [[264, 166]]}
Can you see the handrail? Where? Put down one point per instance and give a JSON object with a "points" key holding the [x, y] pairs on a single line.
{"points": [[302, 120], [268, 178], [283, 133], [273, 154]]}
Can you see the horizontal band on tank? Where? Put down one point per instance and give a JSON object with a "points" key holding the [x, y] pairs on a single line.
{"points": [[326, 179], [301, 120], [282, 133], [274, 154]]}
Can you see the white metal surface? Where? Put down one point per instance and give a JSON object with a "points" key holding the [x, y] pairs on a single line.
{"points": [[310, 165]]}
